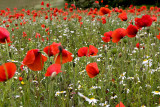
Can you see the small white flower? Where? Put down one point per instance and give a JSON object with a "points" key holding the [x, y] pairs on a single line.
{"points": [[90, 100], [79, 87], [147, 62], [95, 87], [156, 92], [12, 61], [114, 97], [59, 92], [98, 59], [104, 104], [17, 96], [72, 31]]}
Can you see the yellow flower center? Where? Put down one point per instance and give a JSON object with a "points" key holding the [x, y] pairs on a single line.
{"points": [[91, 98], [156, 91], [145, 60]]}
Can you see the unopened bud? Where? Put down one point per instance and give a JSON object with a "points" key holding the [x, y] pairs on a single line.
{"points": [[120, 54], [53, 75]]}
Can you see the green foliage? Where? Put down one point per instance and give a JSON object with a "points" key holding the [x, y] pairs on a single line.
{"points": [[112, 3]]}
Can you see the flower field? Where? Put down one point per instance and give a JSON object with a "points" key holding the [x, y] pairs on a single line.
{"points": [[68, 57]]}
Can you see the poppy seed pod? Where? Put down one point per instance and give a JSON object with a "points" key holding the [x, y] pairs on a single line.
{"points": [[60, 48]]}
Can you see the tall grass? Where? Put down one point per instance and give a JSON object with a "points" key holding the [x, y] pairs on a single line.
{"points": [[124, 75]]}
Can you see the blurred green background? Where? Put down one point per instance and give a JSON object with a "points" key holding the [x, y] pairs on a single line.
{"points": [[29, 3], [79, 3]]}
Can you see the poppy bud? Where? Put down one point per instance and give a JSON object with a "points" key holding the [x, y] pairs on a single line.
{"points": [[125, 41], [114, 51], [120, 55], [53, 75]]}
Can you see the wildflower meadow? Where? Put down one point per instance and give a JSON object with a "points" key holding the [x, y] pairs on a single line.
{"points": [[73, 57]]}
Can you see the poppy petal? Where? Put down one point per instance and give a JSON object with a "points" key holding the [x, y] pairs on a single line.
{"points": [[44, 58], [66, 57], [120, 104], [92, 50], [38, 63], [83, 51], [53, 68], [92, 69], [29, 58], [10, 68]]}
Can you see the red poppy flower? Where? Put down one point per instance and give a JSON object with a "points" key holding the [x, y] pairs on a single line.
{"points": [[85, 52], [101, 1], [34, 60], [52, 49], [92, 69], [137, 45], [43, 26], [145, 21], [154, 18], [120, 104], [42, 3], [158, 36], [47, 5], [123, 16], [107, 36], [131, 31], [118, 34], [20, 78], [97, 2], [7, 71], [53, 68], [4, 35], [92, 50], [104, 11], [63, 56]]}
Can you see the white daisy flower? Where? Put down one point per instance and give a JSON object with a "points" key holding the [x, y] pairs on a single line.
{"points": [[90, 100], [156, 92], [147, 62], [59, 92]]}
